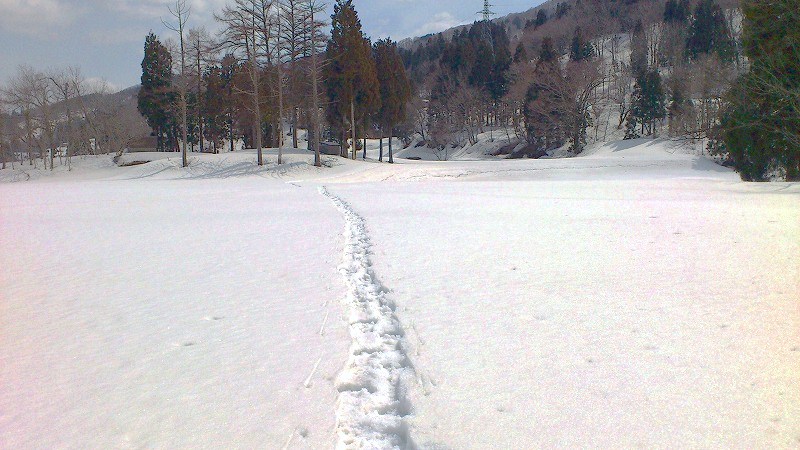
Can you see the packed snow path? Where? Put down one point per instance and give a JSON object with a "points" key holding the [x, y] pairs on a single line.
{"points": [[372, 403]]}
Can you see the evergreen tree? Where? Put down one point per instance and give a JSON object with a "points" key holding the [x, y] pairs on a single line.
{"points": [[562, 9], [580, 49], [709, 33], [156, 96], [214, 107], [676, 12], [761, 124], [350, 77], [638, 50], [544, 121], [648, 104], [547, 53], [541, 18], [395, 89], [492, 58], [520, 53], [228, 71]]}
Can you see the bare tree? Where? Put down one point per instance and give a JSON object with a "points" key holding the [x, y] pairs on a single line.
{"points": [[201, 49], [292, 36], [67, 84], [181, 13], [117, 124], [314, 42], [240, 35], [29, 92], [567, 98], [5, 141]]}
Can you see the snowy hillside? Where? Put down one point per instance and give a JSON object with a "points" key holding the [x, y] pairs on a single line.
{"points": [[636, 296]]}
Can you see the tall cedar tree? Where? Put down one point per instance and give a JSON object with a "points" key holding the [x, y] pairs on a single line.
{"points": [[541, 18], [761, 124], [520, 54], [214, 107], [395, 90], [648, 105], [543, 119], [709, 32], [156, 96], [581, 49], [676, 12], [639, 50], [350, 75]]}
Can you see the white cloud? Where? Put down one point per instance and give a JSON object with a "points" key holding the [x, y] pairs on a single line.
{"points": [[100, 85], [201, 10], [39, 18], [440, 22]]}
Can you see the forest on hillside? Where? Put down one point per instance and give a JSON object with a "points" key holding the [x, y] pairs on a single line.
{"points": [[549, 81], [573, 73]]}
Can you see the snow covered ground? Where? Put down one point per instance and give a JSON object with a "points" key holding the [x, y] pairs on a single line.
{"points": [[637, 296]]}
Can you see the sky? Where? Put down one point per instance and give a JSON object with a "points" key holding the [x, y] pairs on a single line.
{"points": [[105, 38]]}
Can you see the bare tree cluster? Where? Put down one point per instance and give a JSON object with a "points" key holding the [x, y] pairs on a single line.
{"points": [[52, 116]]}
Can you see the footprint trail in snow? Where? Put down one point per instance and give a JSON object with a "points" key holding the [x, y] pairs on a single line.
{"points": [[372, 403]]}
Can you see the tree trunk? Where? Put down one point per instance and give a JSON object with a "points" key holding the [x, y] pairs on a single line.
{"points": [[343, 152], [364, 150], [294, 128], [391, 154], [353, 125], [280, 113], [257, 110], [380, 153], [230, 132], [199, 102], [315, 122]]}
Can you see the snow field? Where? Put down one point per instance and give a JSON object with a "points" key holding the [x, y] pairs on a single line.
{"points": [[604, 314], [168, 314], [636, 296]]}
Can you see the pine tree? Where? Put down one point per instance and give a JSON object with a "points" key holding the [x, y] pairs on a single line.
{"points": [[491, 59], [761, 125], [648, 104], [541, 18], [520, 53], [580, 49], [156, 96], [213, 105], [395, 89], [547, 53], [351, 79], [639, 50], [709, 33]]}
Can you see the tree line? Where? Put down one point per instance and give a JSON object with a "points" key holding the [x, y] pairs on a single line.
{"points": [[272, 66], [576, 72]]}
